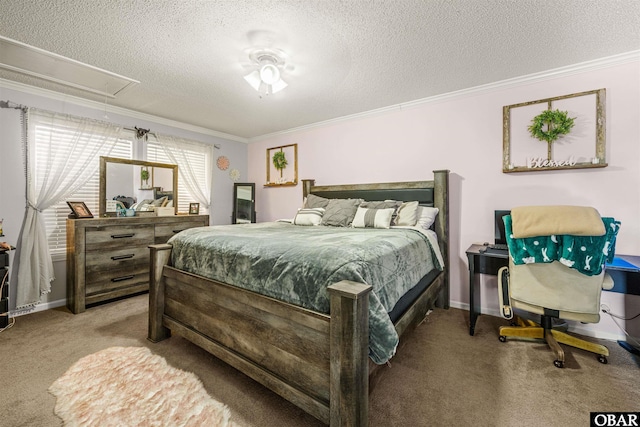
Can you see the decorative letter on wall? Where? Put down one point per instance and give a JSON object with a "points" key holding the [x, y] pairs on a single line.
{"points": [[282, 165], [565, 132]]}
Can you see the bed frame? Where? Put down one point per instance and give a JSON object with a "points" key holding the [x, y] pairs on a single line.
{"points": [[318, 362]]}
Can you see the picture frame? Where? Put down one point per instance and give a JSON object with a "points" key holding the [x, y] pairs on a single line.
{"points": [[80, 210], [194, 208], [285, 156], [584, 147]]}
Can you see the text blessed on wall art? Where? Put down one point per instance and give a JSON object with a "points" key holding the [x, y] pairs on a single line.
{"points": [[565, 132]]}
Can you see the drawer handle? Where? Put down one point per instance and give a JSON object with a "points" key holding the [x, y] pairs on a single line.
{"points": [[127, 256], [121, 236], [120, 279], [177, 231]]}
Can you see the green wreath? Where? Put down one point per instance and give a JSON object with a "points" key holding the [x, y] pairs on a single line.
{"points": [[558, 124], [279, 161]]}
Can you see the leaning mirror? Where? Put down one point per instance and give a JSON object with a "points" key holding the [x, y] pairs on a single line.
{"points": [[137, 186], [243, 203]]}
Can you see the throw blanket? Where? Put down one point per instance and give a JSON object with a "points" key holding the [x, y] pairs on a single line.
{"points": [[296, 264], [587, 254]]}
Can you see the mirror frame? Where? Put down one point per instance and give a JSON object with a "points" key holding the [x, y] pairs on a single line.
{"points": [[103, 180], [235, 200]]}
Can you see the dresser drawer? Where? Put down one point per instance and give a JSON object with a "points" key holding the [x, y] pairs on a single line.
{"points": [[165, 231], [127, 275], [115, 259], [118, 236]]}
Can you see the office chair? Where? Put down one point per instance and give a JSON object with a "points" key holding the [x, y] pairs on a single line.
{"points": [[553, 273]]}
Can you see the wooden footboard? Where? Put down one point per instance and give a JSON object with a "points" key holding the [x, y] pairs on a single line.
{"points": [[308, 358], [319, 363]]}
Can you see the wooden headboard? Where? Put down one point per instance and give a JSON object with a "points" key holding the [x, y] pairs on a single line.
{"points": [[428, 193], [158, 193]]}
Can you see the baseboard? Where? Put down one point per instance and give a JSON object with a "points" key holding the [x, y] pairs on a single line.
{"points": [[574, 327], [40, 307]]}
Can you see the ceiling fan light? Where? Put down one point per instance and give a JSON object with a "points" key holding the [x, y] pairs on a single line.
{"points": [[278, 86], [253, 79], [269, 74]]}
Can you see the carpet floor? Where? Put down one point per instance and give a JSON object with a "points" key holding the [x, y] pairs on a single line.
{"points": [[441, 376]]}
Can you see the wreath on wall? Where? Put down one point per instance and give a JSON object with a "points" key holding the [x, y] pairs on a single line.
{"points": [[550, 125], [279, 160]]}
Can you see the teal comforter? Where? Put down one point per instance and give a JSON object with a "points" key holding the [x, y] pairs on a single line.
{"points": [[296, 264]]}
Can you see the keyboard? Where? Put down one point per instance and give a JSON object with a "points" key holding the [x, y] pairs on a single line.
{"points": [[499, 246]]}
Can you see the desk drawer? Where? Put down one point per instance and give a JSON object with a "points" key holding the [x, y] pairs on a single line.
{"points": [[116, 237]]}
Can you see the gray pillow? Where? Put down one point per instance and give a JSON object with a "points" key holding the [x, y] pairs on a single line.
{"points": [[395, 204], [381, 205], [340, 212], [314, 201]]}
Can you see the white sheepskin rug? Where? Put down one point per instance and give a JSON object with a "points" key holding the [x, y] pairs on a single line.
{"points": [[129, 386]]}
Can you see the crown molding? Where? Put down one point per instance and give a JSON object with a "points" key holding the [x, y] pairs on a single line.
{"points": [[33, 90], [582, 67]]}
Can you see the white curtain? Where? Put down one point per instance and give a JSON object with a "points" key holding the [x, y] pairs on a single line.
{"points": [[179, 151], [72, 148]]}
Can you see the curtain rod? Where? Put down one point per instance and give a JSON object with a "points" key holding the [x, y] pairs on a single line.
{"points": [[7, 104], [140, 133]]}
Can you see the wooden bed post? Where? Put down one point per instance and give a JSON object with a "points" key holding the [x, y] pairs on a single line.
{"points": [[306, 186], [441, 201], [160, 256], [349, 349]]}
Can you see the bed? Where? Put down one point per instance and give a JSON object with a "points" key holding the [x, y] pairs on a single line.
{"points": [[318, 361]]}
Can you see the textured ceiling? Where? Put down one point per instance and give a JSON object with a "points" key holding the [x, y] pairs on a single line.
{"points": [[345, 57]]}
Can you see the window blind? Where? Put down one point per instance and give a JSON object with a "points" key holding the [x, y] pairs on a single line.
{"points": [[199, 159], [55, 217]]}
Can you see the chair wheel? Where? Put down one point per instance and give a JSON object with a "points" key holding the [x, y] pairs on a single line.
{"points": [[602, 359], [502, 338], [558, 363]]}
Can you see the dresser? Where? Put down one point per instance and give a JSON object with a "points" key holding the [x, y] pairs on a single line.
{"points": [[108, 258]]}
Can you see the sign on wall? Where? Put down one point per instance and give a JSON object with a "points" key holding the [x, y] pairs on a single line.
{"points": [[565, 132]]}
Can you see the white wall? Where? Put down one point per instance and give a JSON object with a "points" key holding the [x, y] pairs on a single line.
{"points": [[463, 133], [12, 178]]}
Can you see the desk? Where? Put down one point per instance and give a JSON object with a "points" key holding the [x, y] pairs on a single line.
{"points": [[625, 272], [485, 263]]}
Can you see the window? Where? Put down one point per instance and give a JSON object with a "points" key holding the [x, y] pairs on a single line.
{"points": [[55, 140], [199, 159], [55, 217]]}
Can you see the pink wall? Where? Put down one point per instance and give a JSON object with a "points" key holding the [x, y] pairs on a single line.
{"points": [[464, 134]]}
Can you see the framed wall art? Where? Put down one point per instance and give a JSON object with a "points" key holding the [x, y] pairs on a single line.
{"points": [[282, 166], [565, 132]]}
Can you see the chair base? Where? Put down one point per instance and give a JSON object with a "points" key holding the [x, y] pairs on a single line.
{"points": [[529, 329]]}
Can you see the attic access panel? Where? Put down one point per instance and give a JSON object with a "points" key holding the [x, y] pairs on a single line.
{"points": [[583, 147], [35, 62]]}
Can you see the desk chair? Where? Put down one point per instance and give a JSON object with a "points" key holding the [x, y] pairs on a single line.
{"points": [[552, 290]]}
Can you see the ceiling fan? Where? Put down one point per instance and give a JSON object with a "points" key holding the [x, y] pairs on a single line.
{"points": [[267, 65]]}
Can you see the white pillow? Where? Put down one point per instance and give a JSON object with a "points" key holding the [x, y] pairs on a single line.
{"points": [[407, 214], [308, 216], [372, 218], [426, 217]]}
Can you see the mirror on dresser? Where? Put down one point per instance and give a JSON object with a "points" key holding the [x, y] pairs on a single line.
{"points": [[136, 185]]}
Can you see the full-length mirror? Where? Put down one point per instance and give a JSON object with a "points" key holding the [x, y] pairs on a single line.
{"points": [[243, 203], [137, 185]]}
